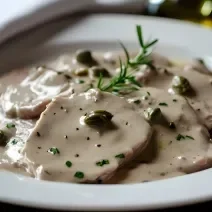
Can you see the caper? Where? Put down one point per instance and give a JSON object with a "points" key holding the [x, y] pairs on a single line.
{"points": [[81, 72], [3, 138], [200, 60], [85, 57], [97, 70], [98, 118], [153, 114], [180, 85]]}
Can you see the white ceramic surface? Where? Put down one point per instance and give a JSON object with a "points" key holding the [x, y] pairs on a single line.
{"points": [[176, 39]]}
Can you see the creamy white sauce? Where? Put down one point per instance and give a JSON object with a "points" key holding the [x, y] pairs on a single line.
{"points": [[57, 95]]}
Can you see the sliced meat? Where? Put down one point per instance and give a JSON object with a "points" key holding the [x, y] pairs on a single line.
{"points": [[180, 140], [63, 148], [198, 65], [30, 98]]}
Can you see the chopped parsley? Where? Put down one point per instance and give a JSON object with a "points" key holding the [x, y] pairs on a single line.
{"points": [[163, 104], [102, 162], [190, 137], [148, 93], [14, 142], [10, 125], [68, 163], [78, 81], [79, 175], [137, 101], [120, 156], [179, 137], [54, 150]]}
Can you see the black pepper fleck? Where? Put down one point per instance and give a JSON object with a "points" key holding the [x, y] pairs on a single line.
{"points": [[61, 107], [77, 155], [99, 181], [47, 172], [80, 109], [126, 123], [88, 138], [85, 114], [54, 113], [38, 134], [66, 137], [98, 145], [77, 128], [39, 147], [198, 109]]}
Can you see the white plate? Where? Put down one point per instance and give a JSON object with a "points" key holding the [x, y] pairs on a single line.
{"points": [[176, 39]]}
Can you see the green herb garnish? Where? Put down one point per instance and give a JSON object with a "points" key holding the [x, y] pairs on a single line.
{"points": [[10, 125], [120, 156], [98, 118], [187, 136], [78, 81], [102, 162], [142, 58], [123, 82], [14, 142], [179, 137], [79, 175], [148, 93], [163, 104], [54, 150], [68, 164]]}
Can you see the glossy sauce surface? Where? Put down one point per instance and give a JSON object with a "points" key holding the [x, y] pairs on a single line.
{"points": [[48, 106]]}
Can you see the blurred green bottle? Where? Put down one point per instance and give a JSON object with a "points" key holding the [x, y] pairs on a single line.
{"points": [[198, 11]]}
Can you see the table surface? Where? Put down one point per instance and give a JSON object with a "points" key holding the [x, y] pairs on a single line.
{"points": [[9, 207]]}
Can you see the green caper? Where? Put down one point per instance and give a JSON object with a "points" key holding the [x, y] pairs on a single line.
{"points": [[180, 85], [97, 70], [98, 118], [3, 138], [85, 57], [81, 72], [200, 60], [153, 114]]}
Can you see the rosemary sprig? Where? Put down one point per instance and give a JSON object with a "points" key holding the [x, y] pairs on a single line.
{"points": [[123, 82], [142, 58]]}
